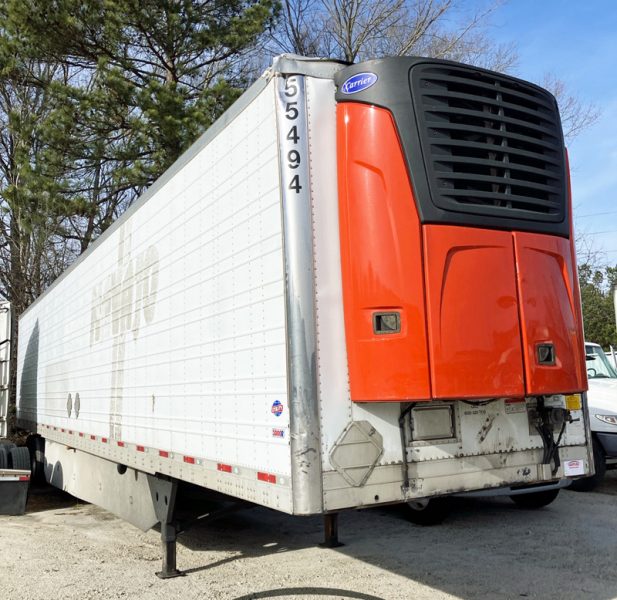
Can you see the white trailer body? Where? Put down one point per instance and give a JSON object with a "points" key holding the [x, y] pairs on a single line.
{"points": [[202, 338], [5, 354]]}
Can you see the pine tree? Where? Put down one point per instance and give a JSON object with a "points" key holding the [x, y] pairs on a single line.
{"points": [[597, 288]]}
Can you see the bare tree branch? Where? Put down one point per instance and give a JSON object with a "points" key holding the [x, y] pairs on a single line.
{"points": [[354, 30], [576, 115]]}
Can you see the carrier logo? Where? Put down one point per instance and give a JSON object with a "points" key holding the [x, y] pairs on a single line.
{"points": [[277, 408], [278, 433], [358, 83]]}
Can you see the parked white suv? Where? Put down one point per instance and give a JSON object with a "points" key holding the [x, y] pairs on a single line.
{"points": [[602, 402]]}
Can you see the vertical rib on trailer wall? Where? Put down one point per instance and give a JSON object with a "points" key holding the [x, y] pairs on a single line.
{"points": [[300, 290], [5, 353]]}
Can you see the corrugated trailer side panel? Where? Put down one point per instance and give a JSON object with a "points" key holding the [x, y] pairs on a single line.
{"points": [[169, 335]]}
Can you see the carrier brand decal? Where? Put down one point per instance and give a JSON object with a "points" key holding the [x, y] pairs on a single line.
{"points": [[278, 433], [121, 304], [277, 408], [358, 83]]}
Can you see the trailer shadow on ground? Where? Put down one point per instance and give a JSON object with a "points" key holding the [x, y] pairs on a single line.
{"points": [[488, 548], [466, 556], [43, 497]]}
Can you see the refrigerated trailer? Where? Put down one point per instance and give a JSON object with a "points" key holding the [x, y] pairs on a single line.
{"points": [[358, 287]]}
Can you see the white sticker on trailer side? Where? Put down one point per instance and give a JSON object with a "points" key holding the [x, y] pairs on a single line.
{"points": [[572, 468], [172, 329]]}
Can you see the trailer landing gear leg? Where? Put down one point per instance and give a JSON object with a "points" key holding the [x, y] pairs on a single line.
{"points": [[163, 492], [168, 537], [331, 532]]}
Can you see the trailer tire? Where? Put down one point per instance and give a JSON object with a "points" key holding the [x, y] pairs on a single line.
{"points": [[428, 512], [4, 459], [19, 458], [535, 500], [36, 444], [587, 484]]}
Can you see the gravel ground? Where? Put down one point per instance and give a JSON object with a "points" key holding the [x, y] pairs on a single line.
{"points": [[488, 548]]}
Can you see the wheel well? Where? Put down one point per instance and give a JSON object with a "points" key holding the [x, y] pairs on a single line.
{"points": [[596, 439]]}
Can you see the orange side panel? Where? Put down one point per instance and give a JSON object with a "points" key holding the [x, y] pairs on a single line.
{"points": [[381, 259], [549, 313], [580, 357], [473, 315]]}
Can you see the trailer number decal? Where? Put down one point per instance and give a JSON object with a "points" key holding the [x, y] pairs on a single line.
{"points": [[292, 117], [277, 408]]}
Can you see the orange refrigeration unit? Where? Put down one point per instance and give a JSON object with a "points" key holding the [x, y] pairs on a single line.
{"points": [[457, 255]]}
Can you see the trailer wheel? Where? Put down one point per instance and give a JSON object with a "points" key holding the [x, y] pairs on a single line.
{"points": [[4, 459], [535, 499], [428, 512], [19, 458], [587, 484]]}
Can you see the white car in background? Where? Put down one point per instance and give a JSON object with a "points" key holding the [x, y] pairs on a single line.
{"points": [[602, 402]]}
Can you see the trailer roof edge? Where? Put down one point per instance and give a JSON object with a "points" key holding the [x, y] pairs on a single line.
{"points": [[283, 64], [294, 64]]}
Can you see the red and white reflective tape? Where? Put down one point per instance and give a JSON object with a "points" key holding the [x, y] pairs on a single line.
{"points": [[267, 477], [189, 460], [4, 477]]}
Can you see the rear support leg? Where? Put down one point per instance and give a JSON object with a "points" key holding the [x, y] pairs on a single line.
{"points": [[331, 531], [169, 535], [163, 493]]}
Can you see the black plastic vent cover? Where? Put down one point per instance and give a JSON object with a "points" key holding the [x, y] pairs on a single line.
{"points": [[492, 145]]}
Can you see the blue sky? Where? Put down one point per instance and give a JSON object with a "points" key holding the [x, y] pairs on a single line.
{"points": [[577, 42]]}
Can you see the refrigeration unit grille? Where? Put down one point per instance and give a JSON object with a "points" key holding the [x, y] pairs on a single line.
{"points": [[492, 145]]}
